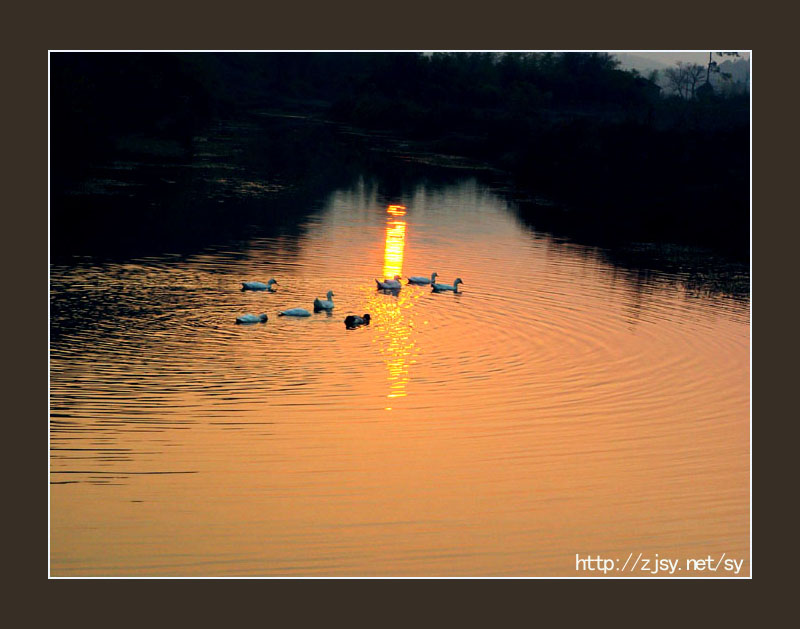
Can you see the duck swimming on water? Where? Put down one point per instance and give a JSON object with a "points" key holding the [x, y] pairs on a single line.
{"points": [[422, 281], [324, 304], [250, 318], [294, 312], [259, 285], [440, 288], [389, 284], [354, 321]]}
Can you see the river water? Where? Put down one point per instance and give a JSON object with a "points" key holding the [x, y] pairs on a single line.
{"points": [[559, 404]]}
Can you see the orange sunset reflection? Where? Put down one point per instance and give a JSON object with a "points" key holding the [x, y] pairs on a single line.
{"points": [[392, 312], [395, 242]]}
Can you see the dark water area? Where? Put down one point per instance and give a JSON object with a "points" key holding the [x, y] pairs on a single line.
{"points": [[239, 176], [260, 173], [704, 269], [263, 173]]}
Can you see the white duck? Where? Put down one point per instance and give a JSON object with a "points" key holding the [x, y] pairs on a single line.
{"points": [[250, 318], [324, 304], [423, 281], [389, 284], [440, 288], [259, 285], [294, 312]]}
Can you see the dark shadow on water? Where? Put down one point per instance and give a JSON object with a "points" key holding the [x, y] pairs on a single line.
{"points": [[243, 178], [264, 175], [699, 270], [255, 176]]}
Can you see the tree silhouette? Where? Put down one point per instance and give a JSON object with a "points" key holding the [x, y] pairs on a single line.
{"points": [[714, 67], [684, 78]]}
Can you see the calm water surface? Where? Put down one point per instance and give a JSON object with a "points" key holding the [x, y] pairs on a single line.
{"points": [[558, 405]]}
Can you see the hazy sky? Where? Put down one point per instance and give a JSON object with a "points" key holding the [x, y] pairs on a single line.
{"points": [[670, 58]]}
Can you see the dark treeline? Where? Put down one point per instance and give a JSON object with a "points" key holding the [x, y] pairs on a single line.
{"points": [[618, 156]]}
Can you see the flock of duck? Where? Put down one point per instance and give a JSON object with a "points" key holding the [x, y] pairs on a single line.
{"points": [[326, 305]]}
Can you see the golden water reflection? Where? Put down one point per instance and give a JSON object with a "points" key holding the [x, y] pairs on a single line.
{"points": [[527, 424], [395, 241], [393, 312]]}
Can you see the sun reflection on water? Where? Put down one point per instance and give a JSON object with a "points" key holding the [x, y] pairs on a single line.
{"points": [[393, 312], [395, 241]]}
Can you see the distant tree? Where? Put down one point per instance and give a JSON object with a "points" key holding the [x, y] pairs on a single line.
{"points": [[677, 80], [684, 78], [694, 72]]}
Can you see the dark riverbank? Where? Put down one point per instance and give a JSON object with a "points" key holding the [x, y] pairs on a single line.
{"points": [[647, 168], [618, 161]]}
